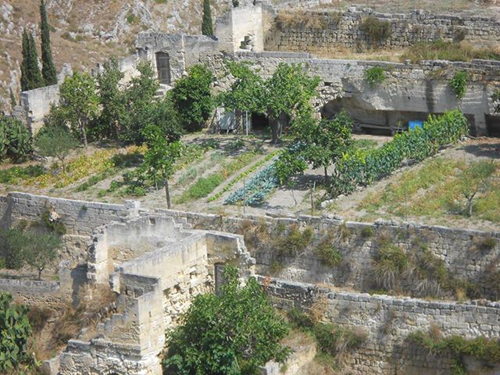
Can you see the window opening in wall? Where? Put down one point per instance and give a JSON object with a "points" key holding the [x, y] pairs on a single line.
{"points": [[163, 66]]}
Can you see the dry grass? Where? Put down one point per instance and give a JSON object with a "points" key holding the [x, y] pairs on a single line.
{"points": [[299, 19], [95, 304]]}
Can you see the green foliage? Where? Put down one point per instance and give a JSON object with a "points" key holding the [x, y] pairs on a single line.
{"points": [[15, 332], [231, 332], [79, 102], [287, 92], [482, 349], [375, 76], [15, 140], [141, 108], [111, 99], [474, 180], [328, 254], [13, 102], [56, 142], [458, 83], [440, 50], [332, 340], [236, 3], [48, 68], [31, 77], [361, 168], [367, 232], [192, 97], [15, 174], [390, 263], [489, 243], [496, 99], [293, 242], [55, 226], [323, 142], [207, 24], [377, 30]]}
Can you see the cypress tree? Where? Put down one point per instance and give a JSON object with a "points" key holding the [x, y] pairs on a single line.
{"points": [[35, 75], [48, 69], [13, 102], [25, 80], [206, 25]]}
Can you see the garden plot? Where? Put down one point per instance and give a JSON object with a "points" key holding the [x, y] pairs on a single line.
{"points": [[432, 192]]}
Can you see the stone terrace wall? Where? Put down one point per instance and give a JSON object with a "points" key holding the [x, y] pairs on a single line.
{"points": [[460, 249], [319, 31], [388, 321]]}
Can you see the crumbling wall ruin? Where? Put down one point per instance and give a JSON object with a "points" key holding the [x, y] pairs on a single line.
{"points": [[320, 31]]}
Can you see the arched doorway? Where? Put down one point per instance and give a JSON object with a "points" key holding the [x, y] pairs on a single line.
{"points": [[163, 67]]}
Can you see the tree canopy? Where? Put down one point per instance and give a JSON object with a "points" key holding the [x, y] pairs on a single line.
{"points": [[48, 68], [230, 332], [31, 77], [278, 97], [207, 24]]}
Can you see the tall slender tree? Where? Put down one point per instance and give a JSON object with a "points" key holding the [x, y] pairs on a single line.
{"points": [[25, 72], [48, 67], [207, 25], [13, 102], [31, 78]]}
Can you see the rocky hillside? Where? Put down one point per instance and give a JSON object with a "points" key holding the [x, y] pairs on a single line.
{"points": [[85, 32]]}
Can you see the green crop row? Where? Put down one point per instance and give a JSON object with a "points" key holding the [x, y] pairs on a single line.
{"points": [[363, 167], [254, 167]]}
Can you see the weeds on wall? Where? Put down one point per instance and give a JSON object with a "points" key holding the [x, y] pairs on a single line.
{"points": [[375, 76], [293, 242], [377, 30], [458, 84], [482, 349], [333, 341]]}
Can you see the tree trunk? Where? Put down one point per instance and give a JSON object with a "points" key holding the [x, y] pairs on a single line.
{"points": [[469, 207], [40, 273], [84, 134], [326, 175], [274, 129], [167, 194]]}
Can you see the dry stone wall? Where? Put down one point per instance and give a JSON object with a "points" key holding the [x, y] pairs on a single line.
{"points": [[319, 31], [461, 251], [388, 321]]}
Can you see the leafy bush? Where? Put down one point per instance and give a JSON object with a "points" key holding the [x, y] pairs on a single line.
{"points": [[489, 243], [375, 76], [230, 332], [192, 97], [367, 232], [376, 29], [459, 84], [335, 340], [390, 263], [15, 139], [15, 332], [361, 168]]}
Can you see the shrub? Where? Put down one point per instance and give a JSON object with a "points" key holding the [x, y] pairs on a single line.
{"points": [[390, 263], [376, 29], [367, 232], [375, 76], [328, 254], [293, 242], [15, 331], [361, 168], [14, 174], [15, 140], [335, 340], [458, 84], [233, 331], [488, 243]]}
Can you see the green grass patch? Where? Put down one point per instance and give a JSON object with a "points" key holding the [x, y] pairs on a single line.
{"points": [[16, 174], [439, 50]]}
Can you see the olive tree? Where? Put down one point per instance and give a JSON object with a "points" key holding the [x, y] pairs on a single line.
{"points": [[55, 141], [474, 180]]}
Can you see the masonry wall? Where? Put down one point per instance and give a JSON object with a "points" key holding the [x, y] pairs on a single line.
{"points": [[388, 321], [319, 31], [460, 250], [36, 105]]}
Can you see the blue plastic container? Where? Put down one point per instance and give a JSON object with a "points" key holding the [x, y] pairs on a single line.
{"points": [[412, 125]]}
